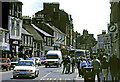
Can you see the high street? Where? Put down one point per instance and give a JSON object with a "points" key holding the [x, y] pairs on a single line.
{"points": [[52, 73]]}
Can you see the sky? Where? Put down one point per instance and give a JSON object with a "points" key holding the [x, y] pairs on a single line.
{"points": [[92, 15]]}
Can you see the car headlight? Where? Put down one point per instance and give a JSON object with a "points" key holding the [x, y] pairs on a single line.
{"points": [[29, 70]]}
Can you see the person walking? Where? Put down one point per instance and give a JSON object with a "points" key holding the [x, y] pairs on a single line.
{"points": [[65, 62], [113, 64], [96, 67], [83, 64], [78, 65], [73, 64], [89, 62], [104, 67]]}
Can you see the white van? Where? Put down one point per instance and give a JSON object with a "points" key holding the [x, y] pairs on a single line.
{"points": [[53, 58]]}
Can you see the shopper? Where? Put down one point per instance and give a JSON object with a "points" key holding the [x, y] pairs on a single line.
{"points": [[114, 63], [104, 67], [96, 67]]}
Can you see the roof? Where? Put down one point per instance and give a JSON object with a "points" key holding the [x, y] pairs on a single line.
{"points": [[31, 30], [41, 31], [54, 28], [25, 32]]}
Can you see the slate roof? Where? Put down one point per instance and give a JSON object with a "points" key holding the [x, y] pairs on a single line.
{"points": [[41, 31], [31, 30], [25, 32]]}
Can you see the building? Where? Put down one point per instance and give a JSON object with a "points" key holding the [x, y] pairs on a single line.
{"points": [[86, 41], [114, 28], [104, 43], [4, 43], [12, 21], [59, 18], [37, 42]]}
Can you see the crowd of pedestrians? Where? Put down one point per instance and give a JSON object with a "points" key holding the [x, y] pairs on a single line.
{"points": [[102, 66]]}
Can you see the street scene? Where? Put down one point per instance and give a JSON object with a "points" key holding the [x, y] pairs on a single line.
{"points": [[46, 41]]}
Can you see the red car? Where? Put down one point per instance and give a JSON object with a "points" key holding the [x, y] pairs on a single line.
{"points": [[42, 60], [5, 63]]}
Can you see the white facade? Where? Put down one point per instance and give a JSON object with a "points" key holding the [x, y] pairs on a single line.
{"points": [[4, 39], [15, 27]]}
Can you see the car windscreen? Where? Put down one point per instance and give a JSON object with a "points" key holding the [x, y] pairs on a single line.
{"points": [[79, 53], [29, 58], [3, 61], [25, 63], [14, 60], [50, 56]]}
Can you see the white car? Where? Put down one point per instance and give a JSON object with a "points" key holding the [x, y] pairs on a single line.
{"points": [[25, 68]]}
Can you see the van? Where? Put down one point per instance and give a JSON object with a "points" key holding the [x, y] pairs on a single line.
{"points": [[53, 58]]}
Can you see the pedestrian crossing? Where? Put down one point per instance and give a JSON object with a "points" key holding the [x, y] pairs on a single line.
{"points": [[55, 79]]}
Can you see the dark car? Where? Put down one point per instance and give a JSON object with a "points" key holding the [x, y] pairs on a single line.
{"points": [[14, 61], [5, 63]]}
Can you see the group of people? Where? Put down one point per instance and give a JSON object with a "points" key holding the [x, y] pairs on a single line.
{"points": [[102, 66]]}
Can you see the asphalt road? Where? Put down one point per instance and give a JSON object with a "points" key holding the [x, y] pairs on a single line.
{"points": [[52, 73]]}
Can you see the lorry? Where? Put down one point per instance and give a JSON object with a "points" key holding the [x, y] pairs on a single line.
{"points": [[53, 57]]}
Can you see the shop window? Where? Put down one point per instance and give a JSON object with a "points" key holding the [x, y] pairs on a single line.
{"points": [[5, 37]]}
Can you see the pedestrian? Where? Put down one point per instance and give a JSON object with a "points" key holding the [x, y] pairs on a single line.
{"points": [[114, 63], [69, 64], [96, 67], [89, 62], [78, 65], [73, 64], [83, 64], [64, 62], [104, 68]]}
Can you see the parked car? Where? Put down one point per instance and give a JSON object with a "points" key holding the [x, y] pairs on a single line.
{"points": [[42, 60], [5, 63], [38, 61], [14, 61], [25, 68], [53, 58]]}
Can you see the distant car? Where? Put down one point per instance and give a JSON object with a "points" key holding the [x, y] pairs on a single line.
{"points": [[38, 61], [14, 61], [31, 59], [42, 60], [25, 68], [5, 63]]}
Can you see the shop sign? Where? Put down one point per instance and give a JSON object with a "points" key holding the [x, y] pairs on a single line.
{"points": [[15, 42], [112, 28]]}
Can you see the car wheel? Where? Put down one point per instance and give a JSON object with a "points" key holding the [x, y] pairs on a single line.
{"points": [[34, 75], [45, 66], [57, 66], [7, 69]]}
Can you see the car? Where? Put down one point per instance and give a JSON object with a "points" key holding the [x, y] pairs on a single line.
{"points": [[31, 59], [42, 60], [5, 63], [25, 68], [38, 61], [14, 61]]}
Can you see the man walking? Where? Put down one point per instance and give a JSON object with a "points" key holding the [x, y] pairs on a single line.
{"points": [[96, 67]]}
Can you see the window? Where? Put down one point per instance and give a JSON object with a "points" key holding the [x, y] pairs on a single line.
{"points": [[13, 29], [17, 11], [23, 40], [1, 36], [17, 29], [13, 8], [5, 37], [28, 40], [31, 40]]}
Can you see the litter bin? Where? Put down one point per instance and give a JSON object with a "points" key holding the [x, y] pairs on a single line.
{"points": [[88, 74]]}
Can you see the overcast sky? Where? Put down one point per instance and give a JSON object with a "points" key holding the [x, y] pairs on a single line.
{"points": [[92, 15]]}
